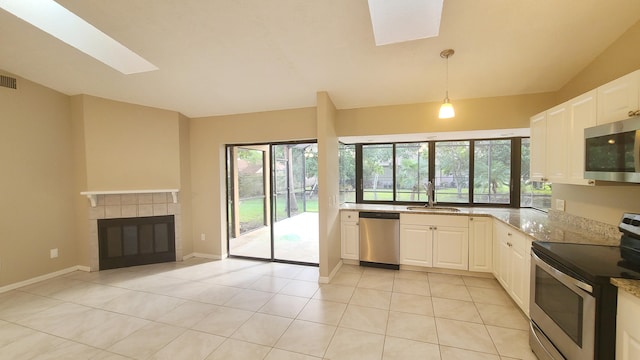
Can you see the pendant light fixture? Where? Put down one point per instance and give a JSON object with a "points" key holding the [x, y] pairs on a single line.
{"points": [[446, 109]]}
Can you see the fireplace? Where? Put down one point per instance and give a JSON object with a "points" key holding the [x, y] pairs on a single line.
{"points": [[130, 208], [135, 241]]}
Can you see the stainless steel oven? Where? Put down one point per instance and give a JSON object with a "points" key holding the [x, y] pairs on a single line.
{"points": [[573, 303], [563, 312]]}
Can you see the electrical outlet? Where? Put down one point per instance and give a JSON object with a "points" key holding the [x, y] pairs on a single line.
{"points": [[203, 237], [559, 204], [53, 253]]}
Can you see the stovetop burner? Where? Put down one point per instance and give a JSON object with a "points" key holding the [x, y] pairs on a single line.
{"points": [[599, 263]]}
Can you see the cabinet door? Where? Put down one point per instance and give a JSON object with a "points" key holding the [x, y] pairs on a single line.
{"points": [[582, 114], [519, 269], [538, 147], [416, 245], [617, 98], [451, 247], [628, 327], [480, 244], [504, 263], [350, 240], [502, 254], [556, 144]]}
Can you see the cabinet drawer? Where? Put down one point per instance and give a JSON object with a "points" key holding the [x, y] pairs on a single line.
{"points": [[438, 220], [349, 216]]}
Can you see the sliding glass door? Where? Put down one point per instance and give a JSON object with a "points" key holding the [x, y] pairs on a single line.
{"points": [[248, 205], [273, 201]]}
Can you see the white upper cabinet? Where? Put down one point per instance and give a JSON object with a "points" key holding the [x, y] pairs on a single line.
{"points": [[582, 115], [619, 97], [538, 145], [557, 143]]}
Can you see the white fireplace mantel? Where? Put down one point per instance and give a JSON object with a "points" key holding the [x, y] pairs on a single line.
{"points": [[93, 195]]}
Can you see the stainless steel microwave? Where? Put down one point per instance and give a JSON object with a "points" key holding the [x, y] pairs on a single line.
{"points": [[612, 151]]}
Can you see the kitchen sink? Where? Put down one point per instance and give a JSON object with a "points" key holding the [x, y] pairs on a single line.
{"points": [[433, 208]]}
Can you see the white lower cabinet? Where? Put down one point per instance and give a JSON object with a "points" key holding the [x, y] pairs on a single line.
{"points": [[512, 261], [416, 244], [434, 241], [451, 247], [349, 235], [480, 243], [628, 327]]}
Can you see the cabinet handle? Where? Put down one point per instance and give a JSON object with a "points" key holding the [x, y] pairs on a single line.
{"points": [[430, 227], [591, 182], [470, 219], [435, 228], [634, 113], [508, 243], [508, 234]]}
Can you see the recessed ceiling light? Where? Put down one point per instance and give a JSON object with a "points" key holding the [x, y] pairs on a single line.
{"points": [[404, 20], [54, 19]]}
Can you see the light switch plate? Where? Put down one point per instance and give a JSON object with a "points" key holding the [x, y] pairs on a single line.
{"points": [[53, 253], [559, 204]]}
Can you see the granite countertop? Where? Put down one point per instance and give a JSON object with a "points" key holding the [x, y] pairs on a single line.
{"points": [[534, 223], [537, 224]]}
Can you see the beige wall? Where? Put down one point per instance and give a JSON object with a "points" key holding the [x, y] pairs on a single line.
{"points": [[328, 187], [508, 112], [185, 185], [620, 58], [602, 203], [208, 138], [130, 147], [80, 177], [37, 182]]}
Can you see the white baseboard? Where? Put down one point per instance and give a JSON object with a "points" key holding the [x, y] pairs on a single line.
{"points": [[42, 277], [207, 256], [327, 279], [203, 256]]}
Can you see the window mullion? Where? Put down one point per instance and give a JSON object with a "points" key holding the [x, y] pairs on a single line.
{"points": [[472, 146]]}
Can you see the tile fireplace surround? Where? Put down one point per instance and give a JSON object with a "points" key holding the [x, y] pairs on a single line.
{"points": [[131, 205]]}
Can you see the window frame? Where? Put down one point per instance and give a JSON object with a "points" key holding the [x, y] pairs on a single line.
{"points": [[514, 191]]}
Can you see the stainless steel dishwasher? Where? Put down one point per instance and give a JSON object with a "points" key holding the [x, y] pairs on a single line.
{"points": [[380, 239]]}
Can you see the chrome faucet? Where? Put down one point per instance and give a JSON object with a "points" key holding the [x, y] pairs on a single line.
{"points": [[431, 193]]}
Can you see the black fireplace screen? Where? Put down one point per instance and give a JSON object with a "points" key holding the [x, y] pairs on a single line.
{"points": [[136, 241]]}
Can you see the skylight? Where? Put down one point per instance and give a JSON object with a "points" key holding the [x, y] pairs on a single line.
{"points": [[404, 20], [54, 19]]}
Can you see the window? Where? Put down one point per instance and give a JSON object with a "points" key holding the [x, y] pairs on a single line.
{"points": [[473, 172], [452, 171], [533, 194], [377, 172], [347, 164], [412, 171], [492, 172]]}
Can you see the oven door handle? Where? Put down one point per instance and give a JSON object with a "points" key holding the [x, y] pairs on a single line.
{"points": [[561, 276]]}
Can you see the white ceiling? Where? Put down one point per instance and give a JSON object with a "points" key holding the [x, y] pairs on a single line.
{"points": [[222, 57]]}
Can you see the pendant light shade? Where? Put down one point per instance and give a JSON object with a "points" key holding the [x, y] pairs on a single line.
{"points": [[446, 109]]}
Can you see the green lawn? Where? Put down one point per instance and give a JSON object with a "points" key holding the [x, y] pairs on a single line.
{"points": [[252, 211]]}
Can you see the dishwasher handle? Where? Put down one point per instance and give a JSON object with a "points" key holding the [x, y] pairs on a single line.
{"points": [[379, 215]]}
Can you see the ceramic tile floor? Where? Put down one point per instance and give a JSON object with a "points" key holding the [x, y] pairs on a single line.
{"points": [[241, 309]]}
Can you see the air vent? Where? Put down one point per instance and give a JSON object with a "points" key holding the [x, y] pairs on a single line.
{"points": [[8, 82]]}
